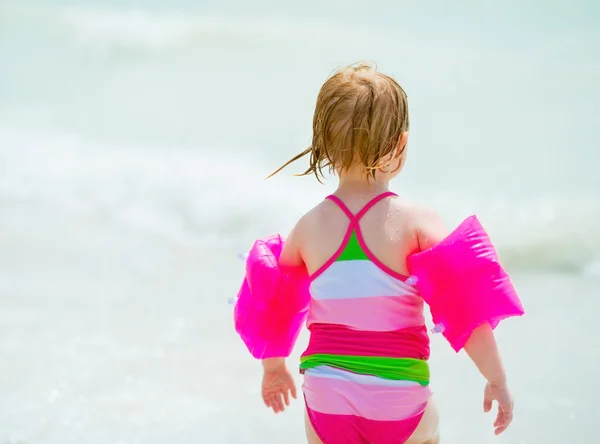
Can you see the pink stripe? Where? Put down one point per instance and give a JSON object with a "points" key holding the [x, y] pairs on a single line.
{"points": [[377, 313], [377, 402], [352, 429], [411, 342]]}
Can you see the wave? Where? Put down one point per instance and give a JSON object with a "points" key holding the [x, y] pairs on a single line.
{"points": [[116, 31], [554, 234], [559, 232], [194, 197], [138, 29]]}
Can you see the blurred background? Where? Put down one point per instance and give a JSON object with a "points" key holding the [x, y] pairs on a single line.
{"points": [[134, 141]]}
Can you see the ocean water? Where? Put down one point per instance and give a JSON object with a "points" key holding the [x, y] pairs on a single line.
{"points": [[134, 141]]}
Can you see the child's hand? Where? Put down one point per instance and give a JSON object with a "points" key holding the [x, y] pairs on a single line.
{"points": [[277, 383], [502, 396]]}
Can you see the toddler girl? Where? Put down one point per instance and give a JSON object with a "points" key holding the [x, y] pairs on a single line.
{"points": [[366, 374]]}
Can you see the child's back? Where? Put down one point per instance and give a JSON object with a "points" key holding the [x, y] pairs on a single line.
{"points": [[391, 230], [365, 368]]}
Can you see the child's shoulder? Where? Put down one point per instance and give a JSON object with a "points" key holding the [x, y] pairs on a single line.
{"points": [[426, 222], [315, 215], [417, 211], [323, 214], [412, 211]]}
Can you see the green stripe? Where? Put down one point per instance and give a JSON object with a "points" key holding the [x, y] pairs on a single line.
{"points": [[406, 369], [352, 251]]}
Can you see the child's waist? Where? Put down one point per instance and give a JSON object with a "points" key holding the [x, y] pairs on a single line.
{"points": [[395, 369], [410, 342], [397, 355]]}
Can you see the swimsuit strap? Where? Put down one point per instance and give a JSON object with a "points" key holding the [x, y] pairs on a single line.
{"points": [[354, 235], [342, 206], [354, 218]]}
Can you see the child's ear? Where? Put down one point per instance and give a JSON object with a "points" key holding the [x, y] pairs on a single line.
{"points": [[401, 144]]}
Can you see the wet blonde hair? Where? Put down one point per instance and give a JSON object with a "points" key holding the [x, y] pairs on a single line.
{"points": [[359, 118]]}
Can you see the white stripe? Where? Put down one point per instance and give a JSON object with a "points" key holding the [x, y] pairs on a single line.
{"points": [[325, 371], [357, 279]]}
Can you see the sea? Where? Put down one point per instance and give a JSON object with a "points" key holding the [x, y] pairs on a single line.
{"points": [[135, 138]]}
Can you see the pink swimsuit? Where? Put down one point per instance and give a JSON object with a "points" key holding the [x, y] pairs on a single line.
{"points": [[366, 376]]}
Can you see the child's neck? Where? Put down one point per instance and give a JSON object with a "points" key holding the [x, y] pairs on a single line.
{"points": [[356, 183]]}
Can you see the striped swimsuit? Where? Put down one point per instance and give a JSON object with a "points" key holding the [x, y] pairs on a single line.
{"points": [[366, 376]]}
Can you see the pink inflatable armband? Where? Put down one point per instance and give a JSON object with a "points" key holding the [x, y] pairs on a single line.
{"points": [[463, 283], [272, 303]]}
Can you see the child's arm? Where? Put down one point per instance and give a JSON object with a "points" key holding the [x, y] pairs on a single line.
{"points": [[291, 255], [483, 351], [481, 346], [277, 381], [430, 228]]}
